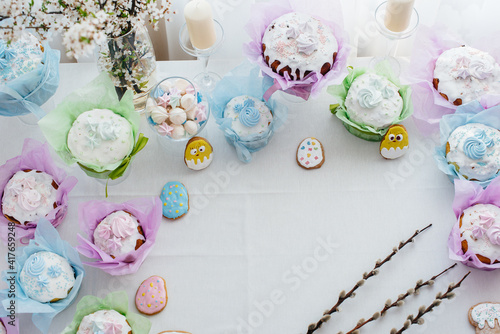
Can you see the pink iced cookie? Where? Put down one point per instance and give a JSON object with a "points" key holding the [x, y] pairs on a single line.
{"points": [[151, 297]]}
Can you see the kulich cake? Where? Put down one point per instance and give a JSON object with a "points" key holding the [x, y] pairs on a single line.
{"points": [[250, 115], [47, 277], [485, 317], [464, 74], [175, 199], [373, 101], [299, 44], [151, 297], [20, 57], [28, 196], [119, 234], [106, 322], [474, 150], [480, 232], [100, 137]]}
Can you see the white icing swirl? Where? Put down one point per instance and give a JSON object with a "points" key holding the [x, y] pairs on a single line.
{"points": [[122, 227], [493, 234], [307, 44], [29, 199], [481, 69], [293, 32], [109, 130], [369, 97]]}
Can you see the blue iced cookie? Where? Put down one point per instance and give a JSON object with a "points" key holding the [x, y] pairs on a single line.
{"points": [[175, 199]]}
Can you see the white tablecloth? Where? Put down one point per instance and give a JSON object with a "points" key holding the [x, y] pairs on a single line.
{"points": [[268, 246]]}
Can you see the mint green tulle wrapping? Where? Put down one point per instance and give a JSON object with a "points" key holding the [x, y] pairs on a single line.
{"points": [[340, 93], [117, 301], [98, 94]]}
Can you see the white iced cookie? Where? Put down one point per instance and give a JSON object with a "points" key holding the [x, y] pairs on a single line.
{"points": [[299, 44], [47, 277], [486, 318], [100, 137], [480, 232], [474, 150], [118, 234], [464, 74], [250, 115], [29, 196], [104, 321], [373, 101]]}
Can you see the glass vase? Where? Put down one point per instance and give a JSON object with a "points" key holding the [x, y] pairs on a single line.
{"points": [[131, 64]]}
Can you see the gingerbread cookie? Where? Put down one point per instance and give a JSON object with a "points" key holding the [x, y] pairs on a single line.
{"points": [[151, 297], [198, 153], [310, 153], [486, 318], [175, 199], [395, 142]]}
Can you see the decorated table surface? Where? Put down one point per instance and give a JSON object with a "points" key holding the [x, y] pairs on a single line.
{"points": [[267, 246]]}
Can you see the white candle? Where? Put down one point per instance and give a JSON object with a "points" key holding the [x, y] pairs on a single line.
{"points": [[200, 24], [398, 14]]}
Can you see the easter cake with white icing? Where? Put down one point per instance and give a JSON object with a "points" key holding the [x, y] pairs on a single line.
{"points": [[28, 196], [299, 44], [249, 115], [464, 74], [474, 150], [104, 321], [20, 57], [373, 101], [47, 277]]}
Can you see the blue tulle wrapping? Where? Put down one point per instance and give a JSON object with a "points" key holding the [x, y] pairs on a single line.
{"points": [[28, 92], [245, 80], [472, 112], [46, 239]]}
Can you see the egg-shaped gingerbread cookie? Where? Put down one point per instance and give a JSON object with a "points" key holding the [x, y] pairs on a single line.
{"points": [[395, 142], [151, 297], [175, 199], [310, 154], [198, 154]]}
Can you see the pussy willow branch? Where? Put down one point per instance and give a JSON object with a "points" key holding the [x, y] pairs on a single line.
{"points": [[399, 302], [419, 320], [351, 294]]}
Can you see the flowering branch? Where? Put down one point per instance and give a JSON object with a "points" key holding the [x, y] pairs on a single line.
{"points": [[399, 302], [419, 320], [367, 275]]}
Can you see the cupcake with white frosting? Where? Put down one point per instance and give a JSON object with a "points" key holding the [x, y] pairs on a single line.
{"points": [[474, 150], [480, 232], [249, 115], [119, 234], [104, 321], [28, 196], [47, 277], [465, 74]]}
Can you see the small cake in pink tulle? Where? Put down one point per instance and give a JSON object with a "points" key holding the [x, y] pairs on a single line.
{"points": [[28, 196], [299, 44], [104, 321], [119, 234], [464, 74], [480, 232]]}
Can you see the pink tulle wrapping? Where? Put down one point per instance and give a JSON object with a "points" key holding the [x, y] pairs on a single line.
{"points": [[148, 212], [264, 13], [430, 43], [468, 194], [36, 155]]}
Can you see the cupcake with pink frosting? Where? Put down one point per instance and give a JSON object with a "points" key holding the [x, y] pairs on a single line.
{"points": [[480, 232], [119, 234]]}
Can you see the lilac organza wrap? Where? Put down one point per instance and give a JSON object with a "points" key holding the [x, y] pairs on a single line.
{"points": [[148, 212], [329, 12], [10, 329], [36, 155], [429, 106], [468, 194]]}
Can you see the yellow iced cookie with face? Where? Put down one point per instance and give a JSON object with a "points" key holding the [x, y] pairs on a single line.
{"points": [[198, 154], [395, 142]]}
